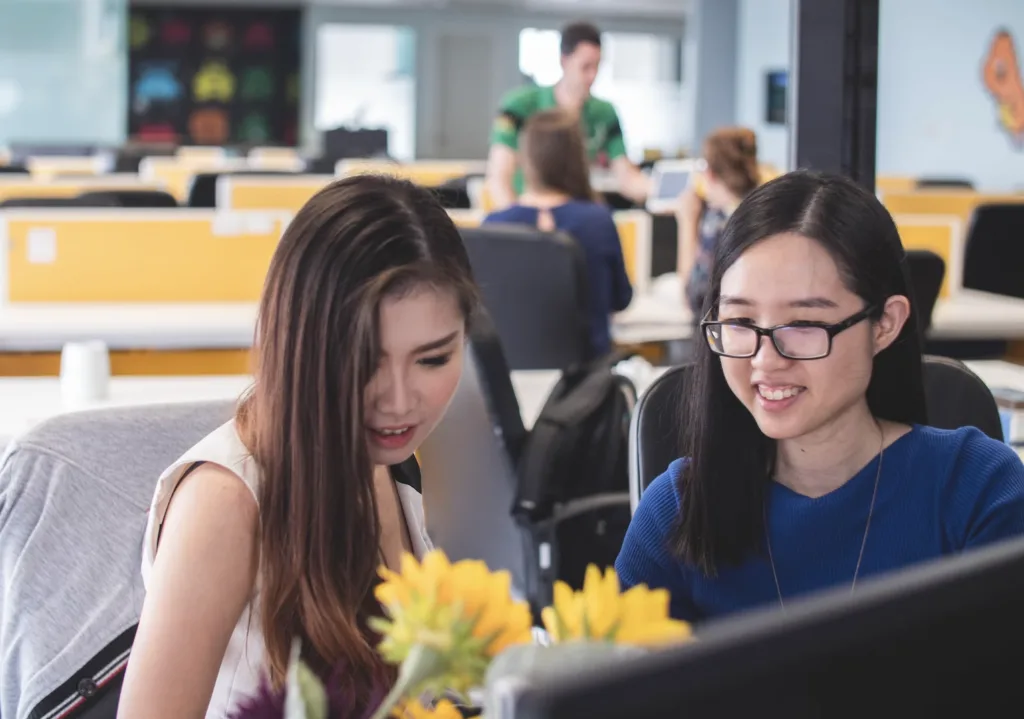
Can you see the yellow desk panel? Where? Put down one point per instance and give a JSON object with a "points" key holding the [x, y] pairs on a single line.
{"points": [[944, 202], [425, 174], [137, 255], [943, 235], [135, 362], [634, 228], [72, 188], [895, 183], [268, 193]]}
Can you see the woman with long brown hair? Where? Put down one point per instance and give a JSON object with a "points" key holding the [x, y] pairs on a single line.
{"points": [[273, 526], [558, 196]]}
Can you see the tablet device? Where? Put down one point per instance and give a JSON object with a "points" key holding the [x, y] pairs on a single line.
{"points": [[668, 180]]}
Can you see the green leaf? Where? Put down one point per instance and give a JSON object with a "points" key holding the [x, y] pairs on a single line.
{"points": [[305, 697]]}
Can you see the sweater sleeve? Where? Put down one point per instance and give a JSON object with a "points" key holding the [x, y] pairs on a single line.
{"points": [[645, 557], [987, 495]]}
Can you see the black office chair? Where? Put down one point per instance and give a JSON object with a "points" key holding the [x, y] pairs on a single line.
{"points": [[955, 396], [202, 190], [453, 194], [534, 285], [128, 198], [994, 250], [927, 270], [951, 183]]}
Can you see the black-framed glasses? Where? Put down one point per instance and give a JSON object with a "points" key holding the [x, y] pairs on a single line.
{"points": [[797, 340]]}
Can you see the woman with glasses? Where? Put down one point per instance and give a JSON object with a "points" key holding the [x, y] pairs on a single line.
{"points": [[808, 461]]}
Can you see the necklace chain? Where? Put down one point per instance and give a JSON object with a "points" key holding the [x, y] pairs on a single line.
{"points": [[863, 543]]}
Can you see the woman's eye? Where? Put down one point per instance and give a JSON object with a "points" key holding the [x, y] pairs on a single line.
{"points": [[436, 360]]}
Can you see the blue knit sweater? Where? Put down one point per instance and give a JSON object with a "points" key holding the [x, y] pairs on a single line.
{"points": [[940, 492]]}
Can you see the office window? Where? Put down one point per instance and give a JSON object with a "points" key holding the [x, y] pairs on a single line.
{"points": [[640, 75], [365, 78]]}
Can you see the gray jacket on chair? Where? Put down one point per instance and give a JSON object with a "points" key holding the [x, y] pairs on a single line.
{"points": [[74, 495]]}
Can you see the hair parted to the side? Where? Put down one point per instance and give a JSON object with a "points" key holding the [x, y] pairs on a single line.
{"points": [[554, 156], [731, 154], [724, 483], [354, 243]]}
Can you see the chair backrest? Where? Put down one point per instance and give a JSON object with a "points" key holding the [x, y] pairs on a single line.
{"points": [[955, 397], [129, 198], [534, 286], [927, 270], [994, 250], [468, 462], [74, 498]]}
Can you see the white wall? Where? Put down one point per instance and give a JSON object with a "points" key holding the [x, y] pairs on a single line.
{"points": [[763, 46], [935, 116]]}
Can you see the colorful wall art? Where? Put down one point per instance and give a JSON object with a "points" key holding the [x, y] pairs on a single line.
{"points": [[1002, 78], [214, 76]]}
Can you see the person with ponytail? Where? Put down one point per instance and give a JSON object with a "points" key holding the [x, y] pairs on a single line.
{"points": [[273, 527], [732, 171]]}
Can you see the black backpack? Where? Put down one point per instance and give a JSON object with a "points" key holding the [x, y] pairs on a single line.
{"points": [[572, 500]]}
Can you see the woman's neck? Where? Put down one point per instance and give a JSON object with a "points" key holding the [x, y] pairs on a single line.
{"points": [[543, 199], [824, 460]]}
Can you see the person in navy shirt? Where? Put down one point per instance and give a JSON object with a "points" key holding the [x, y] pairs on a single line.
{"points": [[558, 196], [809, 462]]}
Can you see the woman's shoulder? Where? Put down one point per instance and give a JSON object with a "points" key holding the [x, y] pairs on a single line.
{"points": [[964, 444], [515, 213], [661, 498], [965, 456], [223, 471]]}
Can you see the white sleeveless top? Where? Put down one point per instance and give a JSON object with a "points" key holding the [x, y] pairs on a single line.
{"points": [[241, 669]]}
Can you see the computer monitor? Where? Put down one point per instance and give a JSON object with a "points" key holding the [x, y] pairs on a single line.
{"points": [[942, 639], [668, 180]]}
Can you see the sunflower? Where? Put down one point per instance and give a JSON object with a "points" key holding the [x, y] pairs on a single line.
{"points": [[444, 709], [445, 622], [601, 612]]}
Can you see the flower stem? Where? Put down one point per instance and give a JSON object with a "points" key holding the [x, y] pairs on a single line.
{"points": [[422, 663]]}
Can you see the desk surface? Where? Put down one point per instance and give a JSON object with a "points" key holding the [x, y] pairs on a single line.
{"points": [[650, 318]]}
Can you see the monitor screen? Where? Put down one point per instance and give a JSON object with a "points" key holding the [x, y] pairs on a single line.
{"points": [[941, 639]]}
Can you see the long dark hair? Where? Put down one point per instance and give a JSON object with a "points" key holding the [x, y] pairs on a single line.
{"points": [[554, 155], [724, 484], [353, 244]]}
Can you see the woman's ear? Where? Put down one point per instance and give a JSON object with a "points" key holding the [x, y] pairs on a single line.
{"points": [[895, 314]]}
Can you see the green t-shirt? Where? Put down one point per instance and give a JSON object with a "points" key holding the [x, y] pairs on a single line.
{"points": [[598, 121]]}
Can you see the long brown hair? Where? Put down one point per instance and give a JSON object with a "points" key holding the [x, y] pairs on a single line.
{"points": [[731, 154], [554, 156], [354, 243]]}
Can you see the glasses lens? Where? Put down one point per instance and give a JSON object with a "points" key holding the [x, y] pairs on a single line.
{"points": [[734, 340], [802, 342]]}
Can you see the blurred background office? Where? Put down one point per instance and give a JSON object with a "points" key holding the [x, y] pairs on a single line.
{"points": [[153, 151]]}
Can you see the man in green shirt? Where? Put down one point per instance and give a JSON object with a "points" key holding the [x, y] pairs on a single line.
{"points": [[581, 56]]}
